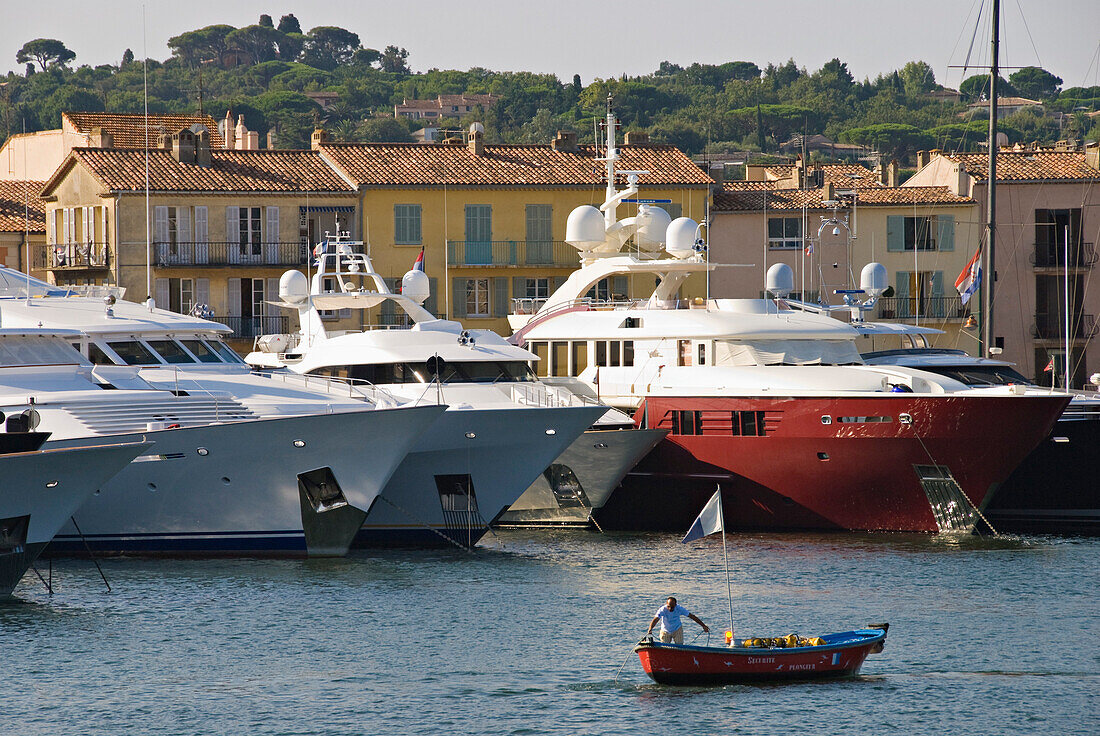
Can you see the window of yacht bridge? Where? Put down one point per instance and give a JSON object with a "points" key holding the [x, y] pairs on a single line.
{"points": [[97, 356], [133, 352], [224, 351], [487, 371], [170, 350], [38, 351], [786, 352], [201, 351]]}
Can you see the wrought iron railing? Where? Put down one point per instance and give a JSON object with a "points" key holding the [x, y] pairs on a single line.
{"points": [[71, 256], [232, 253], [250, 327], [1052, 326], [1053, 255], [931, 307], [553, 254]]}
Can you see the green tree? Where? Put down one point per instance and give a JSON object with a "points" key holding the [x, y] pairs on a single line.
{"points": [[394, 60], [896, 140], [258, 41], [204, 44], [577, 87], [327, 47], [265, 21], [1035, 83], [385, 130], [289, 24], [977, 87], [127, 57], [47, 52], [917, 78], [67, 99]]}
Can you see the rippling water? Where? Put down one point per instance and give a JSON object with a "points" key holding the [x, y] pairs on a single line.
{"points": [[526, 635]]}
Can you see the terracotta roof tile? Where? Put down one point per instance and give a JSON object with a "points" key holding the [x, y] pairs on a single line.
{"points": [[128, 131], [229, 171], [1029, 165], [17, 200], [752, 199], [419, 164], [847, 175]]}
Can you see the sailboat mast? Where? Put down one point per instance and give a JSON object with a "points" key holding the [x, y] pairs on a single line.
{"points": [[612, 156], [991, 189]]}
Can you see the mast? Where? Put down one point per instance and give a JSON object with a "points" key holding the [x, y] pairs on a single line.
{"points": [[991, 200], [609, 161]]}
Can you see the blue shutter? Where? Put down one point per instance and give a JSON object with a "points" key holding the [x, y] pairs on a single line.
{"points": [[945, 239], [938, 308], [500, 297], [458, 298], [895, 234]]}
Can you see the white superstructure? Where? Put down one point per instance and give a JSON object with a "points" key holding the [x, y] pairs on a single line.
{"points": [[241, 464]]}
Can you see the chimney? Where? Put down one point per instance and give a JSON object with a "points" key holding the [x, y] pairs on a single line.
{"points": [[183, 146], [476, 142], [828, 192], [202, 148], [241, 134], [318, 139], [922, 159], [100, 138], [1092, 155], [566, 141], [271, 139], [637, 138], [961, 183], [227, 134], [164, 140], [755, 172], [798, 173], [892, 173]]}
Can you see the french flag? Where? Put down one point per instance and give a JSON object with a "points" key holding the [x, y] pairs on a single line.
{"points": [[971, 277], [318, 251], [418, 264]]}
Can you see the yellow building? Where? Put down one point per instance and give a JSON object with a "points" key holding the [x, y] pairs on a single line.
{"points": [[491, 219], [847, 217], [22, 222], [223, 224]]}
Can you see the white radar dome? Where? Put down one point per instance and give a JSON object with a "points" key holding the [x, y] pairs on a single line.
{"points": [[780, 280], [415, 285], [584, 230], [872, 279], [293, 287], [651, 224], [680, 237]]}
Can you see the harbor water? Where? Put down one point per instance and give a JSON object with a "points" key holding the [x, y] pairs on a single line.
{"points": [[526, 635]]}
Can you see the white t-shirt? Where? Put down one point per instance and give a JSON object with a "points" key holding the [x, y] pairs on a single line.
{"points": [[670, 620]]}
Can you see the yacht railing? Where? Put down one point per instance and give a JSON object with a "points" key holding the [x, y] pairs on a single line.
{"points": [[543, 395], [353, 388]]}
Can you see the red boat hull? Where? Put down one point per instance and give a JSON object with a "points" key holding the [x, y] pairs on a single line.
{"points": [[825, 463], [672, 664]]}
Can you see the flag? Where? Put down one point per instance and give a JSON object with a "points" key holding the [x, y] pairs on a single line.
{"points": [[708, 521], [418, 264], [1050, 365], [318, 250], [971, 277], [810, 248]]}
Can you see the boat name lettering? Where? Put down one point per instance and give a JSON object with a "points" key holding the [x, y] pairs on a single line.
{"points": [[761, 660], [795, 667]]}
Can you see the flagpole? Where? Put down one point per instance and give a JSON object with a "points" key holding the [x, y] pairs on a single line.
{"points": [[725, 556]]}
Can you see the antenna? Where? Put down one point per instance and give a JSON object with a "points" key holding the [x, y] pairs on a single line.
{"points": [[148, 224], [27, 216]]}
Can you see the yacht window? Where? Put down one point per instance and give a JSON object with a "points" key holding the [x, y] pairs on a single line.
{"points": [[171, 351], [133, 352], [702, 353], [224, 351], [580, 358], [628, 352], [97, 356], [615, 353], [541, 349], [201, 351], [981, 375], [559, 358], [38, 351], [601, 353]]}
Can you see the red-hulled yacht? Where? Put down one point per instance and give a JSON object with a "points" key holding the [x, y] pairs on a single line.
{"points": [[773, 404]]}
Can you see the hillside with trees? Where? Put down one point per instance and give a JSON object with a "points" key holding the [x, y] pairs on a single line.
{"points": [[264, 71]]}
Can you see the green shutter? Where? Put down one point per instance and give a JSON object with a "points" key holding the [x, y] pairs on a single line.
{"points": [[458, 298], [500, 297], [895, 234], [937, 293], [945, 240], [519, 287], [901, 293], [432, 303]]}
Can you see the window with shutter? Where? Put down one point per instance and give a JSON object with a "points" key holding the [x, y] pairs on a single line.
{"points": [[406, 224]]}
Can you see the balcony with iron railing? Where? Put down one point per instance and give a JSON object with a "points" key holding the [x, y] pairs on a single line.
{"points": [[71, 257], [232, 253], [924, 307], [250, 327], [498, 253], [1053, 255], [1051, 326]]}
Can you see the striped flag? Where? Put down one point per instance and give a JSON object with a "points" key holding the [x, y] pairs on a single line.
{"points": [[971, 277], [418, 264]]}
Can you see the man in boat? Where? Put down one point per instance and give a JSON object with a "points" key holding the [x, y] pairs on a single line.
{"points": [[672, 631]]}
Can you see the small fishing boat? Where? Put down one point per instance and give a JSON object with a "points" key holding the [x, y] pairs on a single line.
{"points": [[752, 660]]}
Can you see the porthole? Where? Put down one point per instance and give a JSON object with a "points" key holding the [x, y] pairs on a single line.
{"points": [[225, 480], [299, 443], [52, 484], [203, 452]]}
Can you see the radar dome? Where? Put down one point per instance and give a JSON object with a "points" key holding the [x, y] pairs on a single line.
{"points": [[680, 237], [872, 279], [584, 230], [293, 287], [415, 285], [651, 223], [780, 280]]}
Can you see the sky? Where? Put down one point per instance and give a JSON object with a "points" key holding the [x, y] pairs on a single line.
{"points": [[566, 37]]}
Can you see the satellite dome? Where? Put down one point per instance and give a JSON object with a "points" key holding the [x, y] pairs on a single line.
{"points": [[415, 285], [780, 280], [872, 279], [651, 223], [584, 230], [680, 237], [293, 287]]}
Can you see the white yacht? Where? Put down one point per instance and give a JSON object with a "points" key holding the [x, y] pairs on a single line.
{"points": [[504, 428], [43, 488], [242, 464], [773, 404]]}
